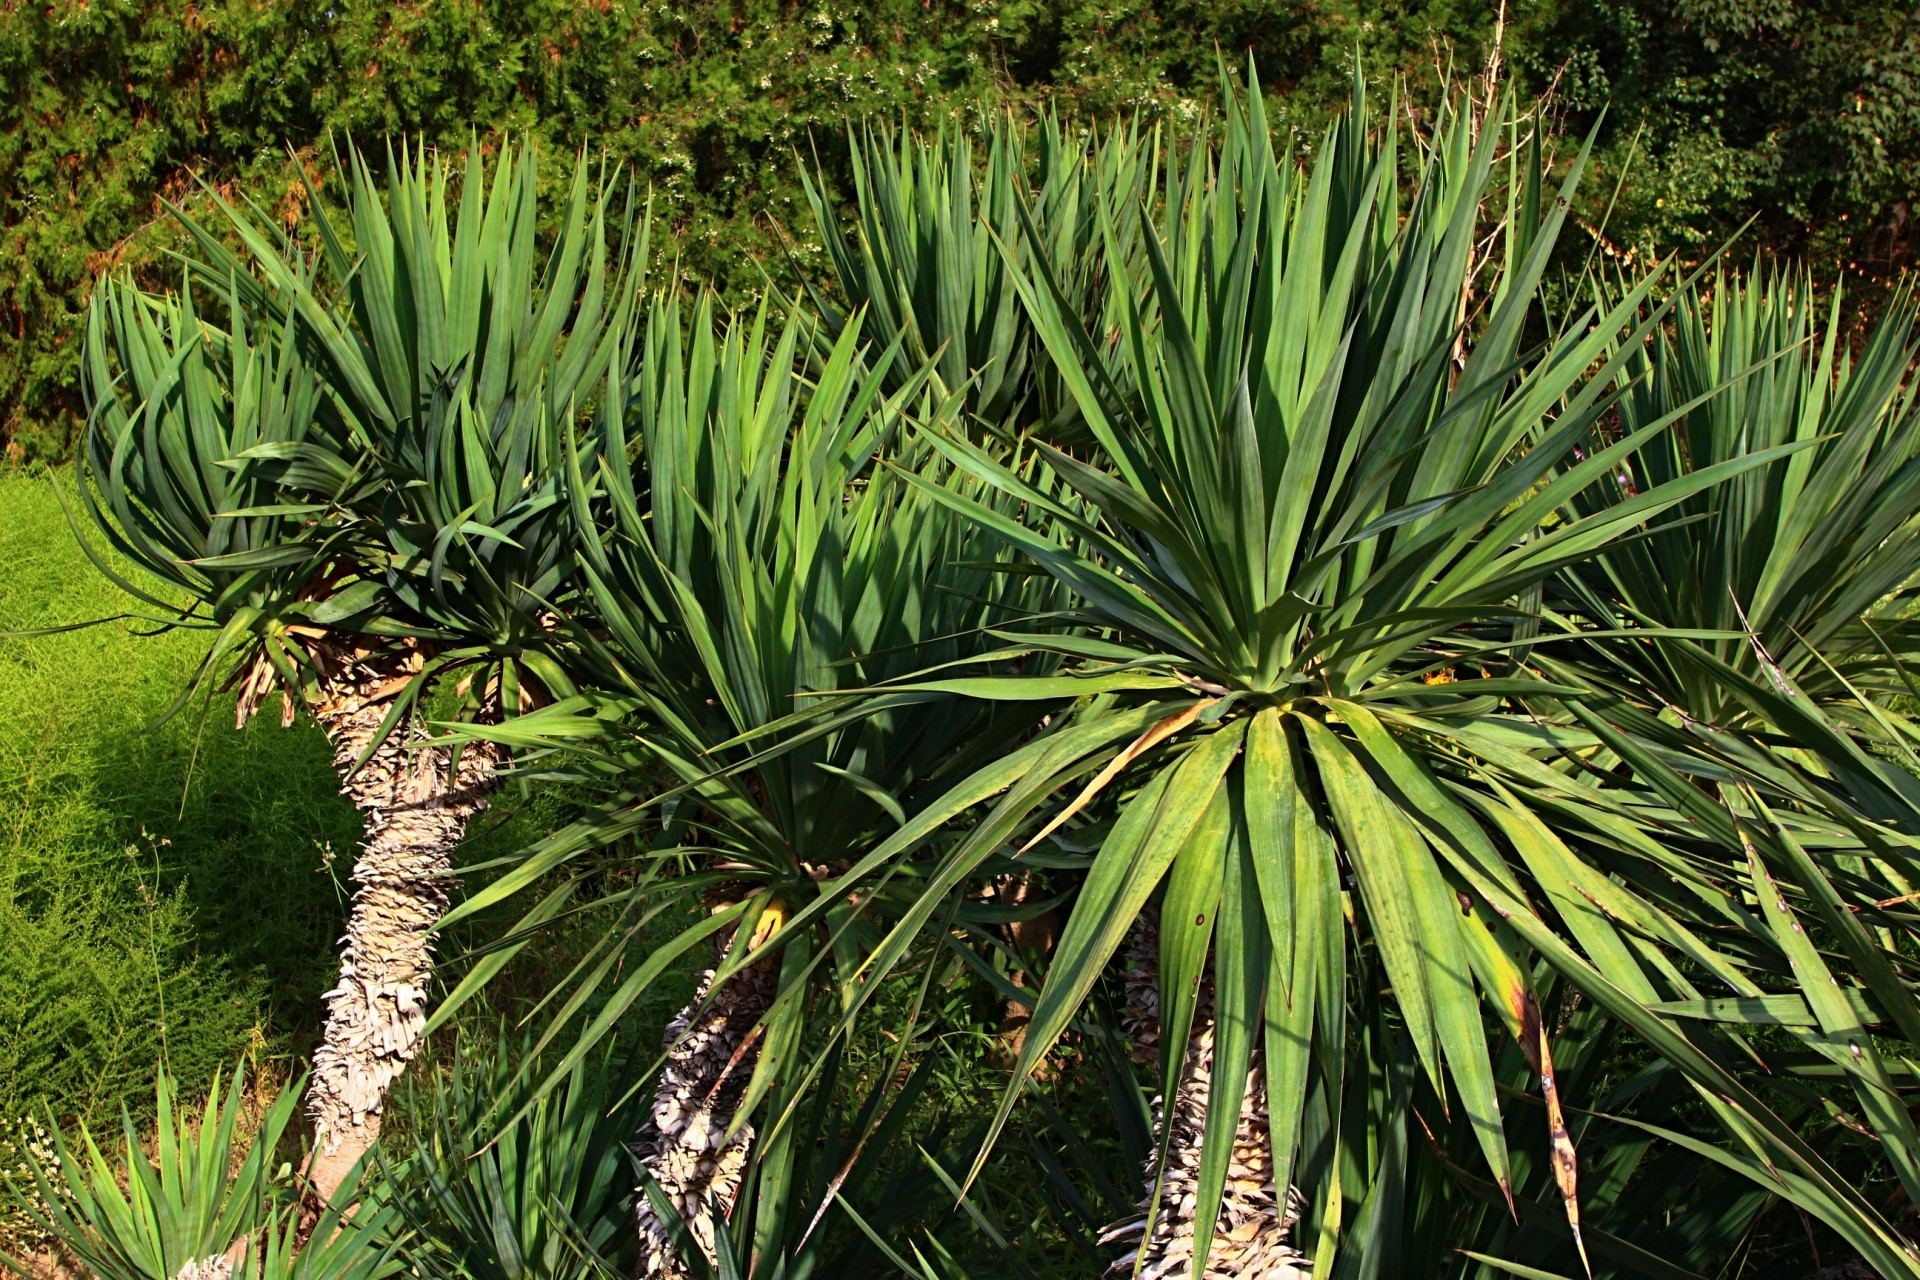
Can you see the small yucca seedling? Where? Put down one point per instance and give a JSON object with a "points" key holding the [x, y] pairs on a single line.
{"points": [[26, 1144], [503, 1182], [197, 1206]]}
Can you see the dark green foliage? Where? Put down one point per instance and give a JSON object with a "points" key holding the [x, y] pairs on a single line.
{"points": [[114, 104], [501, 1185], [1803, 110]]}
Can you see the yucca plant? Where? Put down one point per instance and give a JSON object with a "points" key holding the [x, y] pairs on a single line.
{"points": [[198, 1206], [361, 1242], [186, 1205], [747, 560], [1318, 515], [1804, 568], [1801, 805], [178, 388], [1753, 644], [501, 1186], [454, 366], [179, 405], [1256, 1214], [1662, 1192], [930, 256]]}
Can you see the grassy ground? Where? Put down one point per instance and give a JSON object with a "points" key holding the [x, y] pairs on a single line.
{"points": [[166, 894], [171, 894]]}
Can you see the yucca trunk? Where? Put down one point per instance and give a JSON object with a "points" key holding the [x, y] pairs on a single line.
{"points": [[1251, 1236], [416, 804], [684, 1145]]}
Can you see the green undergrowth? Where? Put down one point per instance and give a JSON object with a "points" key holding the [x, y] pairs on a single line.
{"points": [[167, 893], [163, 893]]}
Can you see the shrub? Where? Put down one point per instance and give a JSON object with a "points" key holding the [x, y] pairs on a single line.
{"points": [[1803, 109]]}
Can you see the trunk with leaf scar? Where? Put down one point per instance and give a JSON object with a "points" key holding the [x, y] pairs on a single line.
{"points": [[684, 1144], [1252, 1236], [417, 805]]}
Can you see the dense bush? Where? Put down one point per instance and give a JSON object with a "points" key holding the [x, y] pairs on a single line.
{"points": [[1802, 110]]}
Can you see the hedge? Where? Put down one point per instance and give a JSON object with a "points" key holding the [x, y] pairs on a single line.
{"points": [[1804, 111]]}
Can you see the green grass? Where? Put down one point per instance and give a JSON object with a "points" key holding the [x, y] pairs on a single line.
{"points": [[175, 894], [172, 893]]}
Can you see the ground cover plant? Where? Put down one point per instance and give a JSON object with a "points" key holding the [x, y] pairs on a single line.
{"points": [[225, 897], [1215, 617]]}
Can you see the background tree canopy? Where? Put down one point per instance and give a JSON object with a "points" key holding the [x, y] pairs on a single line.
{"points": [[1801, 112]]}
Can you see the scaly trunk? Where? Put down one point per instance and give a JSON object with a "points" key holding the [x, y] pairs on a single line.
{"points": [[684, 1144], [1251, 1235], [417, 807]]}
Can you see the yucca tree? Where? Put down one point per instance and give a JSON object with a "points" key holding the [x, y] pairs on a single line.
{"points": [[1318, 515], [746, 558], [1803, 567], [930, 255], [401, 516], [1256, 1215], [1763, 642]]}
